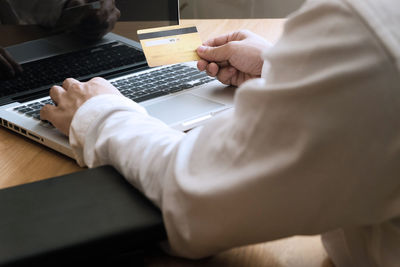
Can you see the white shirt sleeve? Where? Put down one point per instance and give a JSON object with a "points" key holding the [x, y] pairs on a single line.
{"points": [[310, 148]]}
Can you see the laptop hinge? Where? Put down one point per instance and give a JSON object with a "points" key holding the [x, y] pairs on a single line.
{"points": [[32, 96]]}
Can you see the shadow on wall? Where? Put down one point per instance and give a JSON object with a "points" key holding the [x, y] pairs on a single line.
{"points": [[220, 9]]}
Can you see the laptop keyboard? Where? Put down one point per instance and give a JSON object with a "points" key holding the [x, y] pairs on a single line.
{"points": [[141, 87], [87, 62], [33, 109], [160, 82]]}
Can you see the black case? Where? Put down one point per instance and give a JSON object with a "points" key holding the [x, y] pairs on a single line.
{"points": [[86, 217]]}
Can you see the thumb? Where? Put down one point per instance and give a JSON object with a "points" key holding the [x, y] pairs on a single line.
{"points": [[214, 54]]}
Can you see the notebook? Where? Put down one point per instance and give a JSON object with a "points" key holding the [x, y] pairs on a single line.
{"points": [[84, 217], [179, 95]]}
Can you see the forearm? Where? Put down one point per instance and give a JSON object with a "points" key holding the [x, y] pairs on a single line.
{"points": [[125, 137]]}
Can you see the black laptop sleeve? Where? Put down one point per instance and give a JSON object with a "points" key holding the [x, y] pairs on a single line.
{"points": [[89, 216]]}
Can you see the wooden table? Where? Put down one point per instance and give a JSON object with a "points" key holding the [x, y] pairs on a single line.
{"points": [[23, 161]]}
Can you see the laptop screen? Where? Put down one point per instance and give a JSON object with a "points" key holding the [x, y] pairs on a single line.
{"points": [[149, 10], [134, 14], [86, 23], [145, 14]]}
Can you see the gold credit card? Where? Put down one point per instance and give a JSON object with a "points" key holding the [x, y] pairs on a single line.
{"points": [[170, 45]]}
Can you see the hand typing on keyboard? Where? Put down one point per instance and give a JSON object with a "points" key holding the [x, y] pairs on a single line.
{"points": [[70, 97]]}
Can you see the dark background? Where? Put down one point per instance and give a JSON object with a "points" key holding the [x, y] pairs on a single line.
{"points": [[147, 10]]}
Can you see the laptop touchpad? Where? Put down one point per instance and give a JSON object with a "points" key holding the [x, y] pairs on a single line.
{"points": [[181, 107]]}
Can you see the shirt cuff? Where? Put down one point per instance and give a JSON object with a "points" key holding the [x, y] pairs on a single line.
{"points": [[89, 113]]}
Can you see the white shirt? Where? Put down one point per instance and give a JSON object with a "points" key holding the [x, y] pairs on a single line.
{"points": [[43, 12], [312, 147]]}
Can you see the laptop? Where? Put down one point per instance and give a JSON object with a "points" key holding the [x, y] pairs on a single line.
{"points": [[178, 95], [91, 216]]}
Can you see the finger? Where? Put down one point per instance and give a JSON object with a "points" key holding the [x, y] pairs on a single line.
{"points": [[54, 115], [218, 41], [68, 83], [226, 38], [47, 113], [202, 64], [212, 69], [56, 93], [215, 54], [225, 75]]}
